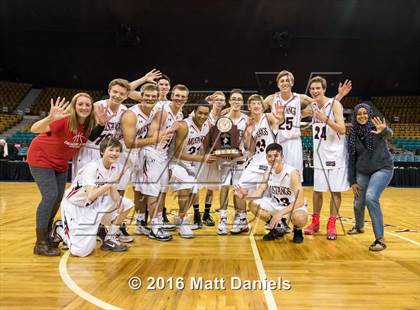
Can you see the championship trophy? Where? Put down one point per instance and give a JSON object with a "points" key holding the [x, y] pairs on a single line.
{"points": [[225, 138]]}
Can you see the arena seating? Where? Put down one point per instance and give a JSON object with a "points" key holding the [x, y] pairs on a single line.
{"points": [[403, 109], [42, 103], [7, 121], [11, 94]]}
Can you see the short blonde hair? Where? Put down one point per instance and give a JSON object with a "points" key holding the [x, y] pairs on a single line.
{"points": [[120, 82], [318, 79], [181, 87], [284, 73], [148, 87]]}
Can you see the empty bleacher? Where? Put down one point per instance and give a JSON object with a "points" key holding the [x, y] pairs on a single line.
{"points": [[11, 94]]}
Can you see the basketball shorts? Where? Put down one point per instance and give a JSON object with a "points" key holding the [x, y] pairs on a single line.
{"points": [[331, 180]]}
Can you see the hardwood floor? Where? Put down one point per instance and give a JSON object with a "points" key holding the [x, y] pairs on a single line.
{"points": [[323, 274]]}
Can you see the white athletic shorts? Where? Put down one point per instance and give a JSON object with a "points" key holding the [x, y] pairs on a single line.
{"points": [[183, 177], [231, 174], [81, 223], [208, 175], [336, 178], [250, 179], [271, 206], [293, 154], [155, 174]]}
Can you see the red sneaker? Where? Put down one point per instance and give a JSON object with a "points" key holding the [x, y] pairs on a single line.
{"points": [[314, 226], [331, 231]]}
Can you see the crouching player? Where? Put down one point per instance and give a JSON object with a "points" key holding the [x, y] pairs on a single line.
{"points": [[91, 200], [284, 197]]}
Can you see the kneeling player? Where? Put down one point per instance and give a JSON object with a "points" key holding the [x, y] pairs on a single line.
{"points": [[93, 199], [285, 196]]}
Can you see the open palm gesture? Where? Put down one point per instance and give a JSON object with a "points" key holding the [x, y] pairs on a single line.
{"points": [[58, 109], [344, 88], [379, 124], [102, 115], [151, 76]]}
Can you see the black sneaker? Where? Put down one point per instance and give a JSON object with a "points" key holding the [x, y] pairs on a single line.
{"points": [[123, 235], [272, 235], [160, 235], [113, 245], [208, 220], [165, 219], [101, 234], [297, 235], [197, 219]]}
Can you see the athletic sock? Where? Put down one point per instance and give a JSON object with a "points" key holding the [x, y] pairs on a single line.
{"points": [[223, 213], [196, 208], [207, 207], [113, 229]]}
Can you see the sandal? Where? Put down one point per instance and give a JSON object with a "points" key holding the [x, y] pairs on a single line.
{"points": [[377, 245], [355, 231]]}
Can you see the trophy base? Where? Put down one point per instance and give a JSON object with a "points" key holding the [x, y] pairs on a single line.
{"points": [[233, 153]]}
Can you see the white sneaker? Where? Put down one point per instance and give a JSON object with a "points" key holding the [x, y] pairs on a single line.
{"points": [[222, 227], [166, 225], [240, 227], [177, 221], [142, 230], [185, 229], [124, 238]]}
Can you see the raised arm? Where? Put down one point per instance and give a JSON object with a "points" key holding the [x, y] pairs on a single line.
{"points": [[149, 77], [268, 102], [57, 112]]}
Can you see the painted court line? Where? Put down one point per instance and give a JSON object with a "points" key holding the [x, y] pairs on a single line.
{"points": [[268, 294], [76, 289]]}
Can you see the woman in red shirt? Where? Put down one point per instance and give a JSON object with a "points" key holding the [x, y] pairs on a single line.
{"points": [[61, 134]]}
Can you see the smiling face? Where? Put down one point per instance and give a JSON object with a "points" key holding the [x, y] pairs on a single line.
{"points": [[316, 90], [111, 155], [179, 97], [362, 116], [272, 156], [201, 115], [117, 94], [255, 107], [164, 87], [236, 100], [285, 83], [83, 107], [149, 98]]}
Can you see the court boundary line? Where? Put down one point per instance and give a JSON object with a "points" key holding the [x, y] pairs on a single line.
{"points": [[268, 294], [77, 289]]}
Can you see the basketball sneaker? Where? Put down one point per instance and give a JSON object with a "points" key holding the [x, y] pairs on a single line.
{"points": [[240, 226], [284, 221], [185, 230], [112, 244], [197, 219], [207, 219], [331, 231], [314, 226], [141, 228], [297, 235], [55, 238], [123, 235], [354, 231], [222, 227], [160, 235]]}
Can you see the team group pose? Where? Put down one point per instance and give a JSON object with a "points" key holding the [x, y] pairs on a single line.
{"points": [[153, 147]]}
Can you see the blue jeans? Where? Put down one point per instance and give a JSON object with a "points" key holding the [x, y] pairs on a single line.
{"points": [[371, 188]]}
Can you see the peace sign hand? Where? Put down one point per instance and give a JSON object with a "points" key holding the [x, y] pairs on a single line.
{"points": [[380, 126], [58, 109]]}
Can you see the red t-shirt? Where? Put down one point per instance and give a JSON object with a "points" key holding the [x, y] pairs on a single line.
{"points": [[55, 148]]}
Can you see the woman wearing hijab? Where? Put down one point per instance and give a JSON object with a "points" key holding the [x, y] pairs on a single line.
{"points": [[370, 170]]}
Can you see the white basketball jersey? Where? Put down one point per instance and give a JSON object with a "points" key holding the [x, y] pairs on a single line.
{"points": [[92, 174], [279, 186], [112, 127], [212, 120], [143, 121], [290, 129], [241, 125], [160, 104], [264, 136], [162, 149], [329, 146], [194, 141]]}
